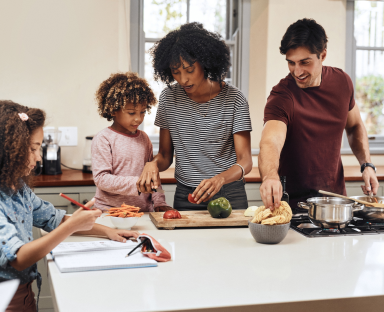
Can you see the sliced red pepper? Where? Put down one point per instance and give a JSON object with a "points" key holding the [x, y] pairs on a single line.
{"points": [[191, 199]]}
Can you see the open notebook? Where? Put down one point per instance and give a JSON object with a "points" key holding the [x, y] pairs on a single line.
{"points": [[99, 255]]}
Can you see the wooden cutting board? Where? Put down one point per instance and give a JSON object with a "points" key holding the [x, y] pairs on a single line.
{"points": [[199, 219]]}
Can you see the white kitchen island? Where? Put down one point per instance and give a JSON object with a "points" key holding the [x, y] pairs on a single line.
{"points": [[224, 269]]}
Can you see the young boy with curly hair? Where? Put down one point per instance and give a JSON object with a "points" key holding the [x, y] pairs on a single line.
{"points": [[120, 151]]}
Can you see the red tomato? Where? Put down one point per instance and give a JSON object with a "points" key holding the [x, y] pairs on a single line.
{"points": [[191, 199], [172, 214]]}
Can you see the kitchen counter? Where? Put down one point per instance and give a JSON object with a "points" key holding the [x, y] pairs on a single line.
{"points": [[224, 269], [78, 178]]}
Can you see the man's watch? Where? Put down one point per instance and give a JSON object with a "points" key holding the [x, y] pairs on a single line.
{"points": [[367, 165]]}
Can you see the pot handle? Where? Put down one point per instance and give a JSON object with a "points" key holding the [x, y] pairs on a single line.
{"points": [[302, 205], [357, 206]]}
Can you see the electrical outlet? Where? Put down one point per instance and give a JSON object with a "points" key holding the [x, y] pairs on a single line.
{"points": [[68, 136]]}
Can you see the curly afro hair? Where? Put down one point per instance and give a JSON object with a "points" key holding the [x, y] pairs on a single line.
{"points": [[121, 89], [15, 144], [191, 43]]}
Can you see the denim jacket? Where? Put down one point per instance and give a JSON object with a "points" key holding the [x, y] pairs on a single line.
{"points": [[18, 213]]}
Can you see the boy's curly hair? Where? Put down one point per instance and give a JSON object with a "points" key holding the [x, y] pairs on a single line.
{"points": [[121, 89], [15, 144], [191, 43]]}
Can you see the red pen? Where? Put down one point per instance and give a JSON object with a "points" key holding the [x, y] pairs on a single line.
{"points": [[74, 201]]}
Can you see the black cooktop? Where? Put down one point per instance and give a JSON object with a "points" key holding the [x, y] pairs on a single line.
{"points": [[303, 225]]}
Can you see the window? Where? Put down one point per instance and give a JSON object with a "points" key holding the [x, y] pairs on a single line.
{"points": [[153, 19], [365, 65]]}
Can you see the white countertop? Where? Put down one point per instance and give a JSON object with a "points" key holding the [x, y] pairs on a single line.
{"points": [[214, 268]]}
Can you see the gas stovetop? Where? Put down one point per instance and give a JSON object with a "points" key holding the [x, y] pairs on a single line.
{"points": [[302, 225]]}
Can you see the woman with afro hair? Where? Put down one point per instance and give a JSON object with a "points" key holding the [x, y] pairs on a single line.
{"points": [[203, 120]]}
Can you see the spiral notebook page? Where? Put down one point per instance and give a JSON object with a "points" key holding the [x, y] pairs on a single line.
{"points": [[71, 247], [102, 260]]}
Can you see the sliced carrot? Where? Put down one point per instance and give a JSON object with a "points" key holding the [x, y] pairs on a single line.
{"points": [[125, 211]]}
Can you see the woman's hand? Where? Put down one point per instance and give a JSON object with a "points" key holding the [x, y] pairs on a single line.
{"points": [[150, 178], [207, 189], [121, 235], [163, 208]]}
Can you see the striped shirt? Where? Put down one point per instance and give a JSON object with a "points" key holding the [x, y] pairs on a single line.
{"points": [[204, 146]]}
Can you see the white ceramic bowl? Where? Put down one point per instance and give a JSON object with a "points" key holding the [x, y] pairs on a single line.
{"points": [[124, 223]]}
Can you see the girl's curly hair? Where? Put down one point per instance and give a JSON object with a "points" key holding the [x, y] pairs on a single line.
{"points": [[191, 43], [15, 144], [121, 89]]}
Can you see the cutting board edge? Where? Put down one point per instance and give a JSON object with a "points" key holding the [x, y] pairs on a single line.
{"points": [[186, 224]]}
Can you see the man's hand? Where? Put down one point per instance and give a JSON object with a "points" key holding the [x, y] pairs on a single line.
{"points": [[121, 235], [163, 208], [271, 144], [370, 180], [271, 192]]}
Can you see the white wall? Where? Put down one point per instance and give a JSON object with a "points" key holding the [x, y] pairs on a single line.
{"points": [[54, 54]]}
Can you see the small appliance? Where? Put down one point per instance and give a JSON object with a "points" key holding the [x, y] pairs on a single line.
{"points": [[51, 152], [87, 160]]}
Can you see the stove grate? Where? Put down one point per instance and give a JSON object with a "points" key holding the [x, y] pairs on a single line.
{"points": [[303, 225]]}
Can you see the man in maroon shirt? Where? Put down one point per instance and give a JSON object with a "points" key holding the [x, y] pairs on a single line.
{"points": [[304, 117]]}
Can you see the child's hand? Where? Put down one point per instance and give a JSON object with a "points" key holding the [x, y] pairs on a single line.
{"points": [[149, 179], [119, 235], [83, 220], [90, 203], [163, 208]]}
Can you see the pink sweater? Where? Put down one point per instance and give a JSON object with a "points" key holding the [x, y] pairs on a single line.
{"points": [[117, 162]]}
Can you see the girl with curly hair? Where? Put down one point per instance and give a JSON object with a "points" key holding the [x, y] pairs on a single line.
{"points": [[21, 136], [202, 119], [120, 151]]}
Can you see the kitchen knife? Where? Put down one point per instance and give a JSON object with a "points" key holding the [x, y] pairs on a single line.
{"points": [[161, 191]]}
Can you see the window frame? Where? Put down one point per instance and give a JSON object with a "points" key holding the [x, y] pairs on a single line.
{"points": [[238, 24], [376, 142]]}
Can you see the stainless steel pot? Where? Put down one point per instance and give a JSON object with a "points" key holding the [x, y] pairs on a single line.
{"points": [[330, 212], [370, 213]]}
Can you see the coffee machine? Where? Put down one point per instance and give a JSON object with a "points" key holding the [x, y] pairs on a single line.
{"points": [[51, 152], [87, 160]]}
